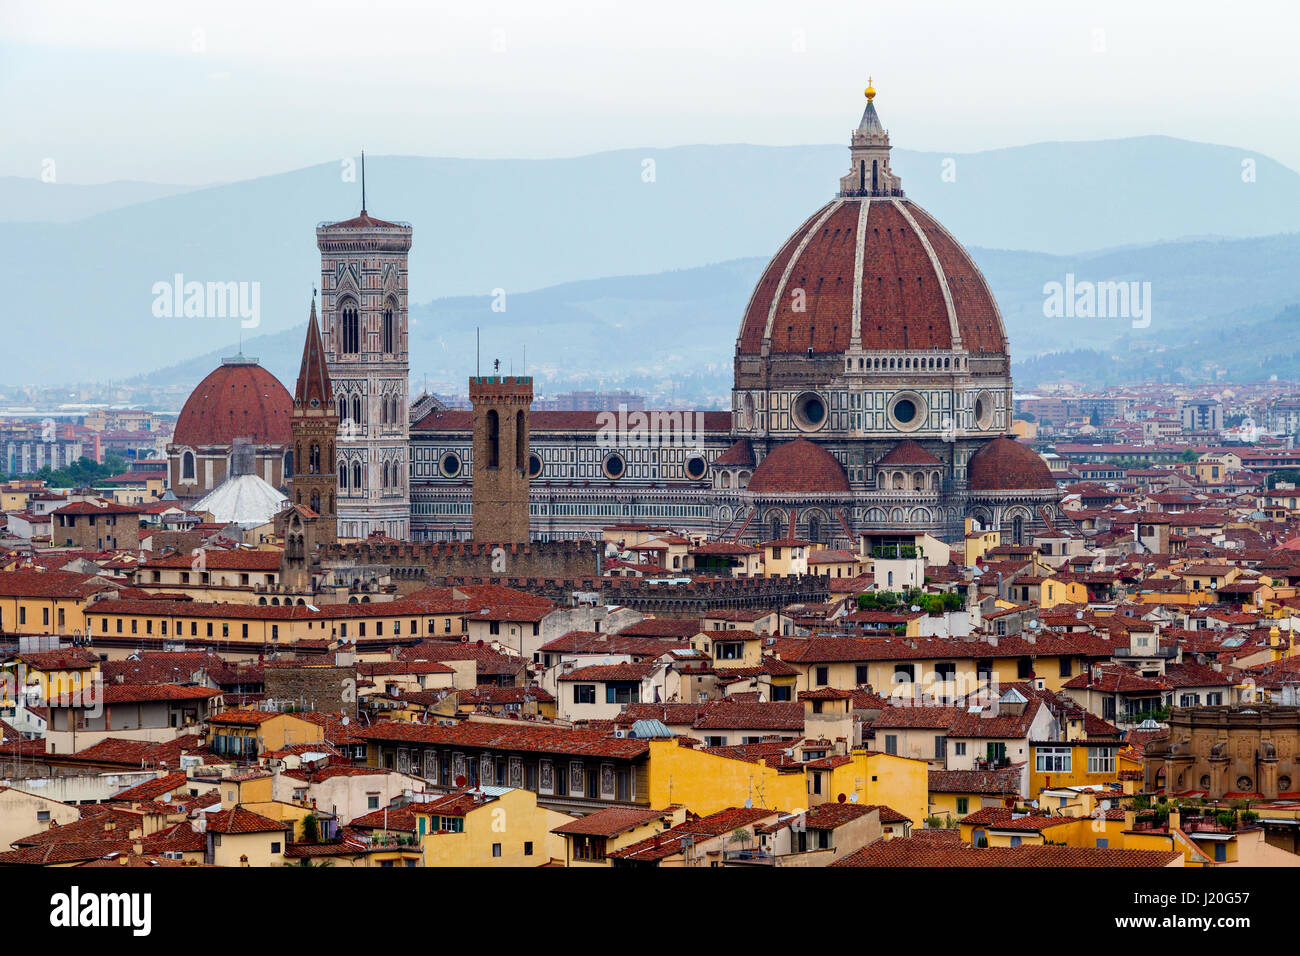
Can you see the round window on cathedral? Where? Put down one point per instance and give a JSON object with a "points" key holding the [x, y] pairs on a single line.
{"points": [[809, 411], [534, 465], [449, 465], [696, 467], [983, 411], [614, 465], [908, 411]]}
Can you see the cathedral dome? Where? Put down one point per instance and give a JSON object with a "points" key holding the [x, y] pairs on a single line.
{"points": [[238, 399], [871, 274], [1005, 464], [799, 467], [871, 321]]}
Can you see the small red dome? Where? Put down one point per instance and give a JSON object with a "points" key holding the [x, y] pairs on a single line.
{"points": [[238, 399], [1005, 464], [799, 467]]}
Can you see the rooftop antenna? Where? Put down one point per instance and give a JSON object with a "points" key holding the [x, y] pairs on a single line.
{"points": [[363, 182], [478, 352]]}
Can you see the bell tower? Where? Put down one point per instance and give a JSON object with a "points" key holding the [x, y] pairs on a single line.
{"points": [[315, 431], [500, 457], [364, 329]]}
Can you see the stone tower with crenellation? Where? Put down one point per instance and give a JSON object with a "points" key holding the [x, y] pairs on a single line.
{"points": [[500, 457]]}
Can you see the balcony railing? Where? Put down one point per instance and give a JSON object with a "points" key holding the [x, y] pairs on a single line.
{"points": [[756, 856]]}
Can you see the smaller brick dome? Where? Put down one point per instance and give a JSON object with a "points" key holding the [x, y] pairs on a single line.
{"points": [[799, 467], [1005, 464], [238, 399]]}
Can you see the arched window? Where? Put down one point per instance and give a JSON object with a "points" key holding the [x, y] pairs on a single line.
{"points": [[351, 324], [521, 442], [288, 463], [357, 484], [1018, 529], [493, 439], [343, 477], [315, 501], [814, 529], [313, 463], [387, 336], [778, 527], [356, 411], [187, 466], [383, 481], [383, 411], [343, 408]]}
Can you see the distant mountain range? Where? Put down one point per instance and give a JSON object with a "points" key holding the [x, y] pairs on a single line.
{"points": [[1211, 301], [87, 286], [31, 200]]}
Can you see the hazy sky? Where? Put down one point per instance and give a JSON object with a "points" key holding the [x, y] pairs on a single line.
{"points": [[183, 92]]}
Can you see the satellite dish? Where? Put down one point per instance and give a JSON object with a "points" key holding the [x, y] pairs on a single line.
{"points": [[346, 721], [915, 607], [853, 798], [166, 798], [841, 798], [749, 803]]}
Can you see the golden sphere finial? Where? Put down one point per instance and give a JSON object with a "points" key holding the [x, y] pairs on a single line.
{"points": [[870, 91]]}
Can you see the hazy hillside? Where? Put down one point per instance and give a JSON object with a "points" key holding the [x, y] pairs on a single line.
{"points": [[1236, 348], [521, 225], [32, 200], [677, 329]]}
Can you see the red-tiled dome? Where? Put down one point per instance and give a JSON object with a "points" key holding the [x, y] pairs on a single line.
{"points": [[741, 453], [238, 399], [902, 303], [1004, 464], [799, 467], [908, 452]]}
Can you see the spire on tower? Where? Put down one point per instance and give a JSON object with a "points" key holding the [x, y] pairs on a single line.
{"points": [[869, 173], [870, 121], [313, 389], [363, 190]]}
